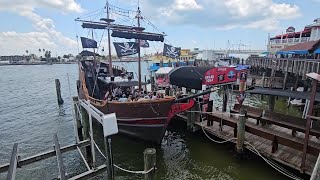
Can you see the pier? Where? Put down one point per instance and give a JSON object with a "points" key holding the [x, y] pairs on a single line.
{"points": [[271, 141], [287, 70], [291, 141]]}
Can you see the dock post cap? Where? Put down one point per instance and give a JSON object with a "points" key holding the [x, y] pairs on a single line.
{"points": [[149, 151]]}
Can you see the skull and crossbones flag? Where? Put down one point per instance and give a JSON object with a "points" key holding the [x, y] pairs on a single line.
{"points": [[143, 43], [126, 48], [170, 51], [88, 43]]}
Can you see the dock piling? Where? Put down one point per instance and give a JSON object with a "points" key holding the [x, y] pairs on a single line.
{"points": [[85, 125], [78, 118], [241, 130], [109, 160], [13, 163], [58, 86], [225, 99], [62, 171], [149, 156], [271, 103]]}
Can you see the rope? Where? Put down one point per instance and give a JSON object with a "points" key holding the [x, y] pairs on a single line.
{"points": [[219, 142], [122, 169], [274, 165]]}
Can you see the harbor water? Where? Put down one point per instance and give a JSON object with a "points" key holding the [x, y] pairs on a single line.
{"points": [[30, 115]]}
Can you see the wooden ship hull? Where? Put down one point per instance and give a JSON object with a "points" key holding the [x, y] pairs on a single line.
{"points": [[146, 120]]}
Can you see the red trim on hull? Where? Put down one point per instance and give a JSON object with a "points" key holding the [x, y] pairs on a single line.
{"points": [[144, 121]]}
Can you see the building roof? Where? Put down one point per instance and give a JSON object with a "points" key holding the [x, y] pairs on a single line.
{"points": [[305, 46], [285, 93]]}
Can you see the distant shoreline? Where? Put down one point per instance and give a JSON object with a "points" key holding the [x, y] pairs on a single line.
{"points": [[37, 63], [44, 63]]}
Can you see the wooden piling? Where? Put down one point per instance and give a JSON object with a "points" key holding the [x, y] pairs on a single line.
{"points": [[149, 157], [78, 119], [13, 163], [109, 161], [271, 103], [225, 99], [263, 79], [241, 131], [85, 124], [58, 86], [308, 123], [61, 167], [285, 80]]}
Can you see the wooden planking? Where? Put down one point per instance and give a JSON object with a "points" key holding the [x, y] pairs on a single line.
{"points": [[285, 155]]}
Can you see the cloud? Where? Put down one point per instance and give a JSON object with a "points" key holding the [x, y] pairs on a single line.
{"points": [[227, 14], [46, 35]]}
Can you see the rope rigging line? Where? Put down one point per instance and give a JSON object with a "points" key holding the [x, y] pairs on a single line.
{"points": [[87, 15], [120, 168]]}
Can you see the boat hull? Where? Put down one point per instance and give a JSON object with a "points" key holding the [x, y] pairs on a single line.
{"points": [[143, 120]]}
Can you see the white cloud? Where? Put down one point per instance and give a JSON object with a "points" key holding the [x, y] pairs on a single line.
{"points": [[46, 35], [227, 14]]}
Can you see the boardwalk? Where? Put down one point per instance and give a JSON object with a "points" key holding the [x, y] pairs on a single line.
{"points": [[285, 155], [299, 67]]}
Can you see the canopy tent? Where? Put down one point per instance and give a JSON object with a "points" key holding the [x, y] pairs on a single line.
{"points": [[195, 77], [285, 93], [317, 51], [164, 70], [88, 53], [190, 77], [240, 67]]}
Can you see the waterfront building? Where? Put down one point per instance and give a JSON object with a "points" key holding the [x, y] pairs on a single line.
{"points": [[186, 55], [210, 55], [310, 32], [14, 58]]}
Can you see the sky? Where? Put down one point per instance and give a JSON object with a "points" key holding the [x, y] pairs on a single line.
{"points": [[205, 24]]}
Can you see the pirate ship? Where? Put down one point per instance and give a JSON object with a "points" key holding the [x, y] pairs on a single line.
{"points": [[101, 82]]}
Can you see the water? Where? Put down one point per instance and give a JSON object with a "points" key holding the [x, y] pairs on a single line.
{"points": [[29, 115]]}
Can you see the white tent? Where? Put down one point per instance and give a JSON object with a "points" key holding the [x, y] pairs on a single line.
{"points": [[164, 70]]}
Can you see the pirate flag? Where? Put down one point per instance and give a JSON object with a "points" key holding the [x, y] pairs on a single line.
{"points": [[88, 43], [143, 43], [126, 49], [170, 51]]}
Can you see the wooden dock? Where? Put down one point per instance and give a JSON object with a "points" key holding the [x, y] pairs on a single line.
{"points": [[288, 149]]}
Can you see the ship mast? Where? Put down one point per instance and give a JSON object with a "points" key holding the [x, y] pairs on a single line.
{"points": [[109, 43], [138, 16]]}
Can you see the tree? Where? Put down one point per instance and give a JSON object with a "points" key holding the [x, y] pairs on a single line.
{"points": [[39, 50], [47, 54], [27, 51], [59, 58], [78, 57], [66, 56]]}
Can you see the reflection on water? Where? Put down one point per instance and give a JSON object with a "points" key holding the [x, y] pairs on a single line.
{"points": [[29, 115]]}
